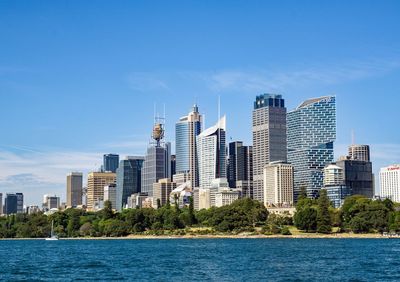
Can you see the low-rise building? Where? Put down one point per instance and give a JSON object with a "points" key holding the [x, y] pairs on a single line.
{"points": [[226, 196], [162, 190]]}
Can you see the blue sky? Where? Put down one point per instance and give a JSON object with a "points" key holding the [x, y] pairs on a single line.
{"points": [[80, 78]]}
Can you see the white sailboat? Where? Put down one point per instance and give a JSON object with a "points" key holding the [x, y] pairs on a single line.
{"points": [[52, 237]]}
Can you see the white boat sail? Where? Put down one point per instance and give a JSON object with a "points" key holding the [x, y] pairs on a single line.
{"points": [[52, 237]]}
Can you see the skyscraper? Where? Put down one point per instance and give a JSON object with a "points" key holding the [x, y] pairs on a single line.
{"points": [[269, 137], [74, 189], [129, 180], [311, 134], [95, 189], [157, 163], [211, 150], [20, 202], [240, 166], [110, 162], [335, 185], [110, 194], [1, 203], [186, 131], [278, 184], [14, 203]]}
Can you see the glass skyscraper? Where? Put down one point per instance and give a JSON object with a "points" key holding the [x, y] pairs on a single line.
{"points": [[240, 166], [110, 162], [129, 179], [311, 134], [269, 137], [211, 149], [186, 131]]}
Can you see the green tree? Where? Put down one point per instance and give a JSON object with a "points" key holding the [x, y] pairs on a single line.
{"points": [[306, 219], [107, 211], [324, 222]]}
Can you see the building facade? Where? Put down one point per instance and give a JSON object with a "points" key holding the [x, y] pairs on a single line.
{"points": [[226, 197], [74, 189], [110, 194], [110, 162], [211, 150], [334, 184], [1, 203], [95, 189], [13, 203], [390, 182], [186, 131], [50, 202], [269, 137], [278, 184], [311, 135], [240, 168], [162, 190], [129, 180], [359, 153]]}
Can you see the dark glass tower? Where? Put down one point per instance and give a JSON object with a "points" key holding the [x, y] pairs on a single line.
{"points": [[110, 162]]}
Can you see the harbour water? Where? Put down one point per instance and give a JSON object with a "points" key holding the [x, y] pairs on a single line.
{"points": [[201, 260]]}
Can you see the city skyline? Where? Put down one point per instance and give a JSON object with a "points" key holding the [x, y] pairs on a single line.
{"points": [[55, 102]]}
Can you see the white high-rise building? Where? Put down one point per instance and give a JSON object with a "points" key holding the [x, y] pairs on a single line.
{"points": [[278, 184], [212, 154], [390, 182], [110, 194], [333, 175]]}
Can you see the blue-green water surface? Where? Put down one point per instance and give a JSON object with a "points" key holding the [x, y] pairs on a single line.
{"points": [[201, 260]]}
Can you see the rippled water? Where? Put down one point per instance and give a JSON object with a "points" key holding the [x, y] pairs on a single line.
{"points": [[202, 259]]}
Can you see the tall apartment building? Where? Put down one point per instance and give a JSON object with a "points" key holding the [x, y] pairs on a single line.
{"points": [[278, 184], [110, 162], [211, 150], [359, 153], [129, 180], [186, 131], [240, 168], [74, 189], [95, 189], [162, 190], [269, 137], [390, 182], [311, 134]]}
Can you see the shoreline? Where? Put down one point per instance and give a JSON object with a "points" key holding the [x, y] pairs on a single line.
{"points": [[222, 236]]}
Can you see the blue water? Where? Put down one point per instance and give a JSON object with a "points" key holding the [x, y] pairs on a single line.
{"points": [[202, 259]]}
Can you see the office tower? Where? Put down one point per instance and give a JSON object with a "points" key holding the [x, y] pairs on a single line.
{"points": [[269, 137], [129, 180], [95, 189], [1, 203], [157, 163], [10, 204], [110, 194], [358, 176], [278, 184], [240, 168], [50, 202], [20, 202], [390, 182], [110, 163], [335, 185], [311, 134], [186, 131], [359, 153], [211, 150], [74, 189], [161, 191]]}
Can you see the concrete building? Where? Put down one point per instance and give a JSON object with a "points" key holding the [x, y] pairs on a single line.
{"points": [[110, 163], [110, 194], [137, 200], [129, 180], [74, 189], [182, 194], [95, 189], [390, 182], [333, 175], [204, 199], [226, 196], [181, 178], [162, 190], [32, 209], [1, 204], [50, 202], [211, 150], [311, 135], [278, 184], [269, 137], [186, 131], [240, 168], [359, 153]]}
